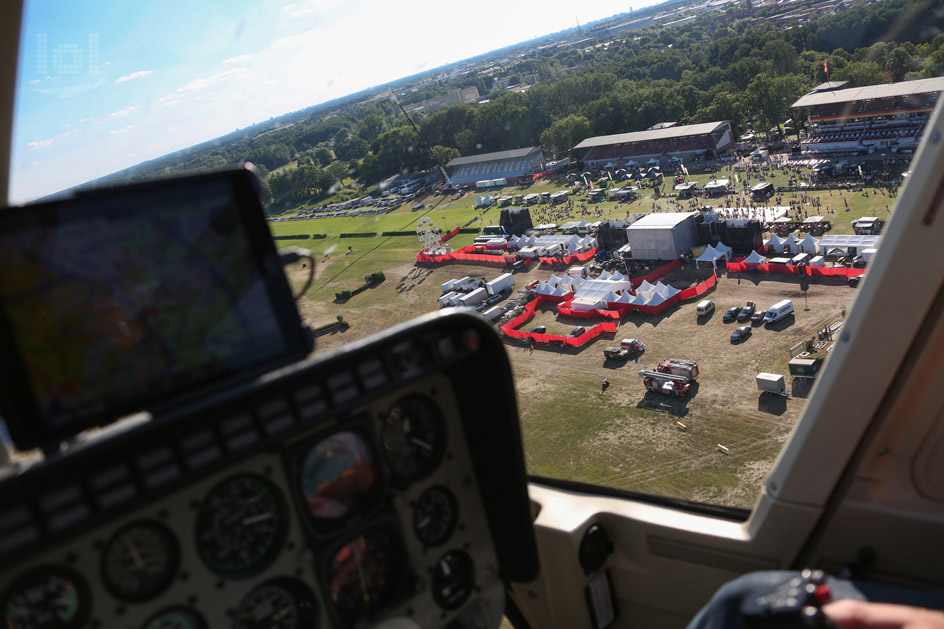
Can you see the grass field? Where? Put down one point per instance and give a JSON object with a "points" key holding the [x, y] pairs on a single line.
{"points": [[623, 437]]}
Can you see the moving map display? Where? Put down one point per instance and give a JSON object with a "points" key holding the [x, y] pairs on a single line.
{"points": [[109, 300]]}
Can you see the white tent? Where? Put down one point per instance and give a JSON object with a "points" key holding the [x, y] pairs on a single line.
{"points": [[639, 299], [543, 288], [774, 243], [560, 291], [808, 245], [790, 243], [625, 298], [582, 223], [710, 254], [755, 258], [604, 275], [610, 297], [666, 290], [645, 287], [553, 280], [617, 276], [655, 300], [725, 250]]}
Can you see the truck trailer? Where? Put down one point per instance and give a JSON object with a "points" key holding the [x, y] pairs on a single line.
{"points": [[501, 283], [771, 383]]}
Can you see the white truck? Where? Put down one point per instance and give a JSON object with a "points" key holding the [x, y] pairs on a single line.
{"points": [[865, 257], [503, 282], [449, 299], [778, 311]]}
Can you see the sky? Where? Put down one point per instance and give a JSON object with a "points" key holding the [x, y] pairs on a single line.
{"points": [[106, 84]]}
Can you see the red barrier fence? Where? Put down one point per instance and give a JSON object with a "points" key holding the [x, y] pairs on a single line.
{"points": [[700, 289], [577, 257], [450, 234], [588, 314], [662, 270]]}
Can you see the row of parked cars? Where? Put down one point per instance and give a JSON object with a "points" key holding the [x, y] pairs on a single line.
{"points": [[747, 314]]}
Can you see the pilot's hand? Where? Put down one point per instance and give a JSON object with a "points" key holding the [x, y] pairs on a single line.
{"points": [[851, 614]]}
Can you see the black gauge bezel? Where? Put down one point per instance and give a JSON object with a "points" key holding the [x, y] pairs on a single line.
{"points": [[453, 523], [173, 551], [466, 562], [401, 581], [439, 448], [278, 541], [302, 594], [196, 616], [371, 501], [36, 574]]}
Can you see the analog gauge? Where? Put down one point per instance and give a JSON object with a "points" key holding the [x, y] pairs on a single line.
{"points": [[176, 618], [365, 574], [240, 526], [435, 516], [278, 604], [453, 579], [414, 436], [49, 597], [140, 561], [338, 475]]}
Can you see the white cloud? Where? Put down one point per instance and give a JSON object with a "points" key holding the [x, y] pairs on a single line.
{"points": [[121, 113], [239, 59], [123, 130], [199, 84], [40, 145], [35, 81], [308, 8], [84, 120], [167, 101], [133, 76]]}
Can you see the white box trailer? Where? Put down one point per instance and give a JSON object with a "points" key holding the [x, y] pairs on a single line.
{"points": [[500, 283], [449, 299], [528, 252], [553, 250], [771, 383], [493, 313], [474, 298], [818, 261], [447, 286]]}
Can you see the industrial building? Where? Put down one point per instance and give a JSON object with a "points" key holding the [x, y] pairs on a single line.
{"points": [[877, 118], [509, 165], [662, 236], [709, 139]]}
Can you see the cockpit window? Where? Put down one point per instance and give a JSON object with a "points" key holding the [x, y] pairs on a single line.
{"points": [[664, 212]]}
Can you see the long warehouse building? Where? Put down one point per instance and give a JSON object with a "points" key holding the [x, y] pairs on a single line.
{"points": [[709, 139]]}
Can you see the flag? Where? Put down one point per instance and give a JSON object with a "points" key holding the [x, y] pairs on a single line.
{"points": [[825, 67], [684, 170], [860, 172], [736, 178], [590, 183]]}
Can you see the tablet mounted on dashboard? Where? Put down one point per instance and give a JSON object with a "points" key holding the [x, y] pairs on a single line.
{"points": [[132, 298]]}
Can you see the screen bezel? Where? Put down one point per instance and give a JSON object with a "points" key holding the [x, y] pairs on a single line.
{"points": [[28, 426]]}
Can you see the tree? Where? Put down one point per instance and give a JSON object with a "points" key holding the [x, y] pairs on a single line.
{"points": [[444, 154], [351, 147], [771, 97], [371, 126], [565, 133]]}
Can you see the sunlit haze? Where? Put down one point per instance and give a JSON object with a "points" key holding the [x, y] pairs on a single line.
{"points": [[106, 84]]}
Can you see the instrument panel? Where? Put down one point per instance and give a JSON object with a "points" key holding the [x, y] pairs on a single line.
{"points": [[379, 507]]}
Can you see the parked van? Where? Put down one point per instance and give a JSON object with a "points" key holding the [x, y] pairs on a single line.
{"points": [[778, 311], [705, 307]]}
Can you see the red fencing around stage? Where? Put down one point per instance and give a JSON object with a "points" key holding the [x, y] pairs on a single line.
{"points": [[833, 271], [700, 289], [588, 314], [662, 270], [577, 257]]}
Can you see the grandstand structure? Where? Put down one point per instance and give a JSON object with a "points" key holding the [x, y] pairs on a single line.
{"points": [[874, 119], [658, 142], [508, 165]]}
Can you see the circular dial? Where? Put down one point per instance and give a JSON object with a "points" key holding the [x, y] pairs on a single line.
{"points": [[49, 597], [365, 573], [435, 516], [414, 436], [338, 475], [140, 561], [240, 526], [278, 604], [176, 618], [453, 579]]}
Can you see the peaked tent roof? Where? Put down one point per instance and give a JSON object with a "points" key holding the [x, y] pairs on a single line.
{"points": [[755, 258]]}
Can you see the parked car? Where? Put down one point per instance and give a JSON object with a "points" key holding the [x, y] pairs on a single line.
{"points": [[494, 299], [745, 315], [740, 333], [854, 281], [758, 317], [538, 329], [731, 314], [577, 331]]}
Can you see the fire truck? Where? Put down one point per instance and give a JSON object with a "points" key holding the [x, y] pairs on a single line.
{"points": [[673, 376]]}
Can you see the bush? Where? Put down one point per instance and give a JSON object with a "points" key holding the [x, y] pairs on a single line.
{"points": [[343, 294]]}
